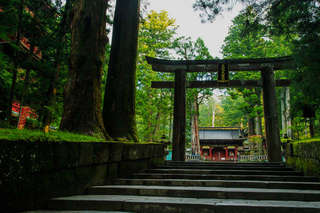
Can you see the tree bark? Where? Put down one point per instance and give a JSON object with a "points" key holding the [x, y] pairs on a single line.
{"points": [[25, 87], [311, 127], [82, 103], [258, 120], [157, 121], [12, 91], [119, 100], [258, 125], [213, 115], [171, 121], [156, 126], [195, 127], [288, 116], [283, 112], [271, 115], [251, 126]]}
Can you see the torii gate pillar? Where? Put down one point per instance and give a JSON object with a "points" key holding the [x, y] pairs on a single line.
{"points": [[179, 119], [271, 115]]}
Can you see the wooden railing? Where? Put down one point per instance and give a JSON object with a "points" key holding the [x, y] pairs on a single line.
{"points": [[253, 158], [240, 158], [192, 157]]}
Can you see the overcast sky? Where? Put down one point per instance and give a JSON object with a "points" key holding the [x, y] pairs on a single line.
{"points": [[190, 23]]}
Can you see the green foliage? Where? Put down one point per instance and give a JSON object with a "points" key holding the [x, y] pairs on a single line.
{"points": [[52, 136], [186, 49], [211, 8], [39, 22], [244, 42], [304, 156], [309, 140], [233, 110], [5, 77], [154, 107], [206, 110], [293, 27]]}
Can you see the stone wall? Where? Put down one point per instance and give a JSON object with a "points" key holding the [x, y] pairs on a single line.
{"points": [[33, 172], [304, 157]]}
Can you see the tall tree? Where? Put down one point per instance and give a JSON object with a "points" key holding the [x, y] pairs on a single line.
{"points": [[154, 106], [297, 20], [60, 38], [119, 102], [82, 103], [241, 43]]}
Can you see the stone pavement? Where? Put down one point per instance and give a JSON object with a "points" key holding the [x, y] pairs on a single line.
{"points": [[185, 187]]}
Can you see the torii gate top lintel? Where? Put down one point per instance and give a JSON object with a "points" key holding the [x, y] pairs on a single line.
{"points": [[242, 64]]}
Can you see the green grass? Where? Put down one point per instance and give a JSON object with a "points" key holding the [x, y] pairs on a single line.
{"points": [[308, 140], [53, 136]]}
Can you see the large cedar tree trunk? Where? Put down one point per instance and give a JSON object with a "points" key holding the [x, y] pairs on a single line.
{"points": [[288, 116], [82, 104], [119, 100], [251, 126], [283, 114], [258, 122], [258, 119], [195, 127], [271, 115]]}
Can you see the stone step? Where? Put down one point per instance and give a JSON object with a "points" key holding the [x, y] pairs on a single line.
{"points": [[76, 211], [224, 177], [224, 163], [220, 183], [186, 205], [208, 192], [227, 167], [225, 172]]}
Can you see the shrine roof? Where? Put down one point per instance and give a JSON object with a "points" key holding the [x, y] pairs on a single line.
{"points": [[222, 141]]}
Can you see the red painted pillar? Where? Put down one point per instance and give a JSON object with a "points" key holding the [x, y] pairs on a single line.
{"points": [[236, 154], [227, 153], [210, 153]]}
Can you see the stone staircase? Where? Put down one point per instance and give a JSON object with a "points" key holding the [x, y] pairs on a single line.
{"points": [[201, 187]]}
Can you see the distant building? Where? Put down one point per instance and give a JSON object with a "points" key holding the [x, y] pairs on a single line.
{"points": [[220, 143]]}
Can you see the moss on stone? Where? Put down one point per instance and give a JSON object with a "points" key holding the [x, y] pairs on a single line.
{"points": [[40, 136], [304, 156], [42, 170]]}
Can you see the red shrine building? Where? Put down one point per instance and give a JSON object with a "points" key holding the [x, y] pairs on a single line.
{"points": [[220, 143]]}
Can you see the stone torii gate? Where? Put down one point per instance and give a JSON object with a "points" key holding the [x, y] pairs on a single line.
{"points": [[266, 66]]}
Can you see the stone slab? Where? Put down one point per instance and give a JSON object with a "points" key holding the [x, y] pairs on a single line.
{"points": [[185, 205], [79, 211], [223, 171], [226, 167], [225, 163], [225, 177], [208, 192], [221, 183]]}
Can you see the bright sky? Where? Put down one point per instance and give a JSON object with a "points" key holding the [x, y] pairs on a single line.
{"points": [[190, 23]]}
